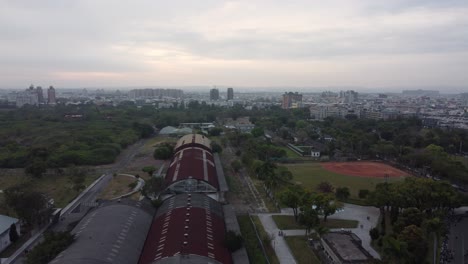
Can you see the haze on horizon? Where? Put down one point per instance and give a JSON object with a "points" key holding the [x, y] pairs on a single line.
{"points": [[304, 43]]}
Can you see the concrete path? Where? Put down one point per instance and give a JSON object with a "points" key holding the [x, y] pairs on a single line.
{"points": [[278, 242], [350, 212]]}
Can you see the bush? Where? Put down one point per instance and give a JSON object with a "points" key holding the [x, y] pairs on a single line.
{"points": [[50, 247], [374, 233], [216, 147]]}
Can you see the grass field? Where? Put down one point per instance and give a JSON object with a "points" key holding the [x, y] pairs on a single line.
{"points": [[310, 174], [302, 253], [250, 240], [118, 186], [286, 222]]}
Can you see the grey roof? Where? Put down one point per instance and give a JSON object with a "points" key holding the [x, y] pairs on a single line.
{"points": [[347, 247], [112, 233], [187, 259], [197, 201], [168, 130], [5, 223]]}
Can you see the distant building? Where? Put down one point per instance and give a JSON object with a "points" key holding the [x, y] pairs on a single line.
{"points": [[420, 92], [344, 248], [5, 224], [40, 95], [292, 100], [214, 94], [28, 97], [349, 96], [155, 93], [230, 94], [51, 96]]}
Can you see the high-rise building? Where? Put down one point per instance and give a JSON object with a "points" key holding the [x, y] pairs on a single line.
{"points": [[292, 100], [51, 95], [230, 94], [349, 96], [28, 97], [40, 95], [214, 94]]}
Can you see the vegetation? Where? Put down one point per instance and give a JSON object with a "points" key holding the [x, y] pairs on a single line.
{"points": [[30, 206], [303, 254], [233, 241], [310, 175], [163, 151], [414, 219], [254, 250], [47, 250]]}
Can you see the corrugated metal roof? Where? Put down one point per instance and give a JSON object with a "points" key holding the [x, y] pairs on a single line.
{"points": [[192, 163], [191, 226], [193, 140], [114, 233]]}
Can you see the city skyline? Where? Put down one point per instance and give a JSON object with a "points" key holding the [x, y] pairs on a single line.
{"points": [[269, 44]]}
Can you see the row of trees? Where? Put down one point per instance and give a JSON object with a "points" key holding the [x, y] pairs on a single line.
{"points": [[415, 209]]}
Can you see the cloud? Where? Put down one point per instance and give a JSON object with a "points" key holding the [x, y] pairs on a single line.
{"points": [[243, 42]]}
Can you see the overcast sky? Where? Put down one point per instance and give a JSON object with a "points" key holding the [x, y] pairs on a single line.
{"points": [[307, 43]]}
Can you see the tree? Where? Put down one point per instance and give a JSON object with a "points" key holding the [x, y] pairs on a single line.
{"points": [[149, 169], [233, 241], [342, 193], [292, 198], [30, 206], [50, 247], [163, 152], [216, 147], [257, 132], [153, 186], [325, 187], [13, 233], [215, 131], [395, 251], [308, 217], [321, 230], [415, 238], [326, 204]]}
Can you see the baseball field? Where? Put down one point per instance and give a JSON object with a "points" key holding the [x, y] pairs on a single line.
{"points": [[354, 175]]}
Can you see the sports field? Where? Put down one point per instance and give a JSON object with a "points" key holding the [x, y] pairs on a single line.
{"points": [[360, 176]]}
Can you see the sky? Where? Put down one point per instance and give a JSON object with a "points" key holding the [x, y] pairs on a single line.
{"points": [[305, 43]]}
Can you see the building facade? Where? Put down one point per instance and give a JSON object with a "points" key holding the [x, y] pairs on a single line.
{"points": [[214, 94], [51, 96], [291, 100], [230, 94]]}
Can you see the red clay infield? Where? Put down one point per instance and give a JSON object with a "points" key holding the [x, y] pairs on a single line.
{"points": [[363, 169]]}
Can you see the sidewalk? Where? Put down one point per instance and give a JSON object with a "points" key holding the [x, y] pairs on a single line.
{"points": [[278, 242]]}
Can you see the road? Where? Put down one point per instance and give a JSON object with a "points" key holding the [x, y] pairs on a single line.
{"points": [[76, 209]]}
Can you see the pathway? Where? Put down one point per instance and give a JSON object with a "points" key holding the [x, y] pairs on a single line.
{"points": [[278, 242], [351, 212]]}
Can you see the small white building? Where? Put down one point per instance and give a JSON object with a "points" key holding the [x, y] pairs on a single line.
{"points": [[5, 223]]}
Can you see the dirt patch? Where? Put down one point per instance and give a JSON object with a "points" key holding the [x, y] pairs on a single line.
{"points": [[364, 169]]}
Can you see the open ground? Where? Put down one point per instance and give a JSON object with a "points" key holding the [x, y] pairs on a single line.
{"points": [[309, 175]]}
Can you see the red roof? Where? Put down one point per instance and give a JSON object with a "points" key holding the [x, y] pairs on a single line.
{"points": [[186, 231], [192, 163], [193, 140]]}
